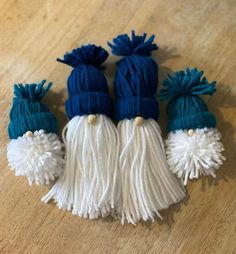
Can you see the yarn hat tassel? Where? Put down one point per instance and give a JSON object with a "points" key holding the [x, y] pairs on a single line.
{"points": [[148, 185], [90, 185], [35, 150], [193, 144]]}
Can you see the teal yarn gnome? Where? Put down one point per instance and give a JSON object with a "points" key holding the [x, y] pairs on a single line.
{"points": [[90, 185], [193, 144], [35, 150], [148, 185]]}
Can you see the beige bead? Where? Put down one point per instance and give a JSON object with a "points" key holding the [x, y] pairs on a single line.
{"points": [[92, 119], [29, 134], [139, 120], [190, 132]]}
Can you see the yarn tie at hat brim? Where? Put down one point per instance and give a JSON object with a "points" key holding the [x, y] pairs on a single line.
{"points": [[89, 103], [128, 108], [197, 120], [41, 121]]}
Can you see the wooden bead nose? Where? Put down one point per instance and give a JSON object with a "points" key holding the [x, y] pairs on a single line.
{"points": [[190, 132], [92, 119], [139, 120], [29, 134]]}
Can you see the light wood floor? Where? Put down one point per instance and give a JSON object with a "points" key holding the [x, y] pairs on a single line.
{"points": [[189, 33]]}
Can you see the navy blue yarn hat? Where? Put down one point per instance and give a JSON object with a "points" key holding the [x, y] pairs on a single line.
{"points": [[28, 113], [87, 86], [186, 110], [136, 77]]}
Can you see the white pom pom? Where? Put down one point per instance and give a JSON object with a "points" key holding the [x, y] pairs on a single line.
{"points": [[148, 185], [36, 155], [195, 152], [90, 186]]}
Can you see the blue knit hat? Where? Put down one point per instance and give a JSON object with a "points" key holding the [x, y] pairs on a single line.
{"points": [[87, 86], [186, 110], [28, 113], [136, 77]]}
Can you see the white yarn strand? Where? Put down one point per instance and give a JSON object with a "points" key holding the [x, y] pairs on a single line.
{"points": [[39, 157], [192, 156], [90, 186], [148, 186]]}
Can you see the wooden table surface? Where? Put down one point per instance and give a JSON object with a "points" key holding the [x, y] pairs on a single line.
{"points": [[189, 33]]}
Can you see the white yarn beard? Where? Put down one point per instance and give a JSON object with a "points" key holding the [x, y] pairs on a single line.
{"points": [[90, 185], [39, 157], [196, 155], [148, 185]]}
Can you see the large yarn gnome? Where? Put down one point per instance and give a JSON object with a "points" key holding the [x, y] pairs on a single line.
{"points": [[89, 186], [35, 150], [148, 185], [193, 144]]}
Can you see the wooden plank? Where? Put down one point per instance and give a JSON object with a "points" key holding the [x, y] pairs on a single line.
{"points": [[189, 33]]}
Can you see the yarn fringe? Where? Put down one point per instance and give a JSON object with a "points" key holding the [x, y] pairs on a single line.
{"points": [[148, 185], [90, 186]]}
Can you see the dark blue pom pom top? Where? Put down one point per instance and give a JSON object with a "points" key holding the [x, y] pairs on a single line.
{"points": [[136, 77], [87, 85]]}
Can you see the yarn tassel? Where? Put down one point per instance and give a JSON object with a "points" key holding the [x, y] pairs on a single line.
{"points": [[88, 188], [148, 186], [193, 145], [34, 151], [90, 185]]}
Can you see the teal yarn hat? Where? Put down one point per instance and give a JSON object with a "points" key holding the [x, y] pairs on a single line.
{"points": [[186, 110], [28, 113]]}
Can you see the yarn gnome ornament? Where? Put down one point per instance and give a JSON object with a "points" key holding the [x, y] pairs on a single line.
{"points": [[35, 150], [193, 144], [90, 185], [148, 185]]}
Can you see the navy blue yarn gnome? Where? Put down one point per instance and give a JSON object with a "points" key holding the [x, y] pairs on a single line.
{"points": [[193, 144], [90, 185], [148, 185], [35, 150]]}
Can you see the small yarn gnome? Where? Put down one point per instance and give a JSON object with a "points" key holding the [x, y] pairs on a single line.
{"points": [[193, 144], [148, 185], [35, 150], [90, 185]]}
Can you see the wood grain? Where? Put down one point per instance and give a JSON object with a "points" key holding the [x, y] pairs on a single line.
{"points": [[189, 33]]}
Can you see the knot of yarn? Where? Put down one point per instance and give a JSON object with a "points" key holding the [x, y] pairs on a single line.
{"points": [[32, 92], [85, 55], [123, 45]]}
